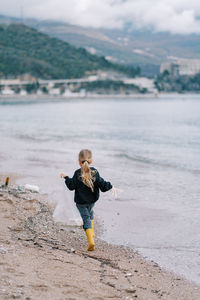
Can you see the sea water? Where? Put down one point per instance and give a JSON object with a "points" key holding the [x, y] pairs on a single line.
{"points": [[150, 148]]}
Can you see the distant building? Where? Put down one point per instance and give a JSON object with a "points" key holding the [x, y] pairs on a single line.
{"points": [[181, 66], [142, 82], [172, 68], [189, 66], [54, 92], [23, 93], [39, 92], [26, 77], [7, 92]]}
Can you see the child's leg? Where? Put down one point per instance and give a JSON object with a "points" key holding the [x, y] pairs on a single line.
{"points": [[90, 209], [85, 215], [87, 225], [91, 212]]}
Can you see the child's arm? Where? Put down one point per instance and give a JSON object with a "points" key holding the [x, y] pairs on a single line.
{"points": [[70, 182], [102, 184]]}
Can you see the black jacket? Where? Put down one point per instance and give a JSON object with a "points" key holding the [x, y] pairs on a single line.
{"points": [[84, 194]]}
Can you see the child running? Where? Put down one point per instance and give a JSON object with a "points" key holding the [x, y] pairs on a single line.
{"points": [[86, 182]]}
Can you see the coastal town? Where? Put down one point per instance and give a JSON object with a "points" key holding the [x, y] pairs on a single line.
{"points": [[27, 84], [63, 87]]}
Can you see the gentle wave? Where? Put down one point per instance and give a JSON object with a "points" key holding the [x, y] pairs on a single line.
{"points": [[52, 151], [11, 102], [39, 138], [27, 137], [153, 162]]}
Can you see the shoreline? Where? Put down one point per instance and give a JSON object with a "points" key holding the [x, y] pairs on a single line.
{"points": [[139, 96], [41, 259]]}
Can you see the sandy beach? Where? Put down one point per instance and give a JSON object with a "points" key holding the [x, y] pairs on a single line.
{"points": [[40, 259]]}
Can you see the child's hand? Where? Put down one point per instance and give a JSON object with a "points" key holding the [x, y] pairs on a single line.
{"points": [[63, 175]]}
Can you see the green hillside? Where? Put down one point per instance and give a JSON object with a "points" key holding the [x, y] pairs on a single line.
{"points": [[25, 50], [137, 47]]}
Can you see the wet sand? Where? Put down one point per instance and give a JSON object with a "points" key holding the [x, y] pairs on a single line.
{"points": [[41, 259]]}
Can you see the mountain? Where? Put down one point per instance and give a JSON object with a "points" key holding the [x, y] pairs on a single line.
{"points": [[25, 50], [142, 48], [130, 46]]}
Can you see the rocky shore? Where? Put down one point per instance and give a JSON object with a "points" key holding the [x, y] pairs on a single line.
{"points": [[41, 259]]}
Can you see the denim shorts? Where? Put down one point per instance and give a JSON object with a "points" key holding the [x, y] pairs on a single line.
{"points": [[87, 214]]}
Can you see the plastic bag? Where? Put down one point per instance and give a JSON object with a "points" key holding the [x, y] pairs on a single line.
{"points": [[31, 188], [115, 192], [66, 211]]}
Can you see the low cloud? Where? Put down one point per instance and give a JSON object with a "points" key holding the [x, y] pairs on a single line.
{"points": [[175, 16]]}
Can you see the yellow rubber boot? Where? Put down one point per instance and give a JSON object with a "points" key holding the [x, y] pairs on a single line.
{"points": [[89, 234], [92, 222]]}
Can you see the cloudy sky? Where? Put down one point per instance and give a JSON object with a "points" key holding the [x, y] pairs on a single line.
{"points": [[175, 16]]}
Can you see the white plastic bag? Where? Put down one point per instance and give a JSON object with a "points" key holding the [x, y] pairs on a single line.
{"points": [[31, 188], [115, 192], [66, 211]]}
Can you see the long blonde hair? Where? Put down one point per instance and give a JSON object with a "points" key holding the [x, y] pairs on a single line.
{"points": [[87, 175]]}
